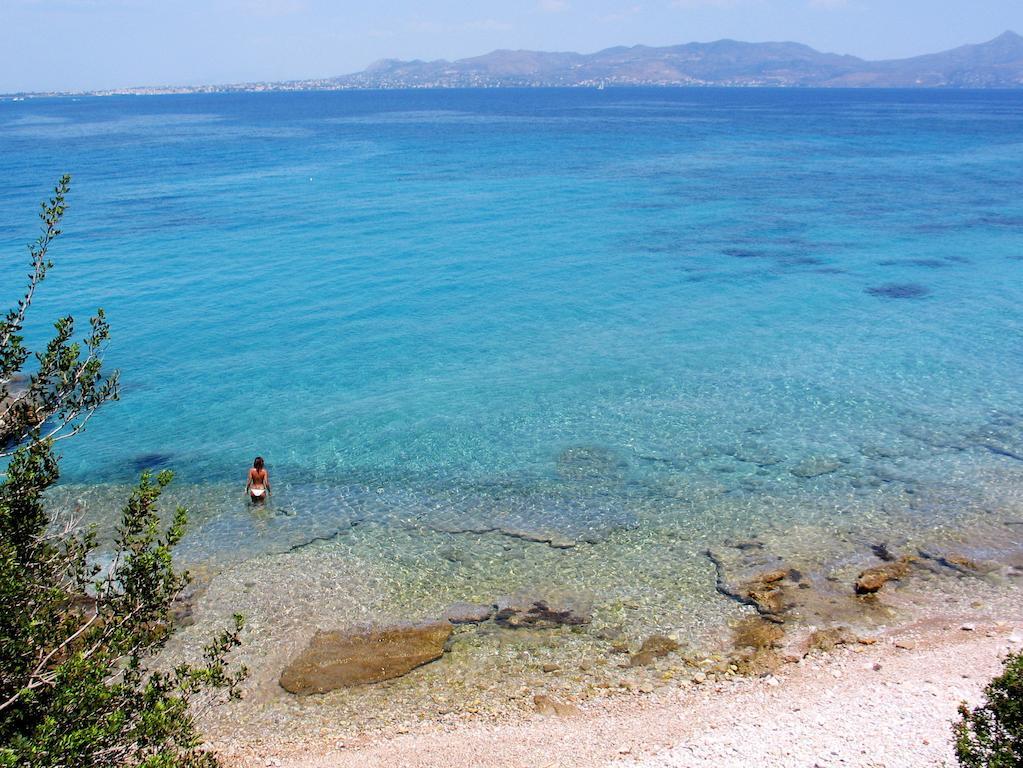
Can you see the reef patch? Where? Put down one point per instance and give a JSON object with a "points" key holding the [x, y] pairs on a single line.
{"points": [[899, 291]]}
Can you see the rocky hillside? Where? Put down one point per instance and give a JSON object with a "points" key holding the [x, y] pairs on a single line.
{"points": [[995, 64]]}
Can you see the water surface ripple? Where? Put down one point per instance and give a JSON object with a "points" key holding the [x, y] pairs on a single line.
{"points": [[624, 324]]}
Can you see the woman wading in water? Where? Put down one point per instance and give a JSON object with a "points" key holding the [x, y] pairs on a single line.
{"points": [[258, 485]]}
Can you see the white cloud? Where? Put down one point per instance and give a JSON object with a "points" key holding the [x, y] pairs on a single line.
{"points": [[553, 6]]}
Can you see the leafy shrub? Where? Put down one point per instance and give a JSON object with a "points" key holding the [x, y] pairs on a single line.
{"points": [[78, 686], [991, 736]]}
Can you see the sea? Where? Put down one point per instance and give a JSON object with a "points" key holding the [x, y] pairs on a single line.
{"points": [[561, 341]]}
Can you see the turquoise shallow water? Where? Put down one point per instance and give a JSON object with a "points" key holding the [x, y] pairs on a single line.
{"points": [[553, 312], [561, 343]]}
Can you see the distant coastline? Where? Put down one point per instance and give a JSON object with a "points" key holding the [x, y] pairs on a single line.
{"points": [[996, 64]]}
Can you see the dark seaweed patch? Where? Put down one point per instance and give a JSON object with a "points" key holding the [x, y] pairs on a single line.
{"points": [[650, 206], [657, 248], [809, 261], [899, 291], [928, 263], [744, 253], [995, 220], [941, 226], [151, 461]]}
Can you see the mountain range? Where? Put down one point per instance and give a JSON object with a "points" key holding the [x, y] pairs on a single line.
{"points": [[997, 63], [994, 64]]}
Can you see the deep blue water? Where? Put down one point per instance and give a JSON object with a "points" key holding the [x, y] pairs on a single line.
{"points": [[603, 291]]}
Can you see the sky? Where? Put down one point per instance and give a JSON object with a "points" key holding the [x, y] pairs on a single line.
{"points": [[94, 44]]}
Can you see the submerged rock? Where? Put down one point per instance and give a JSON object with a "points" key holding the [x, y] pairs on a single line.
{"points": [[764, 591], [653, 648], [184, 603], [959, 563], [815, 467], [828, 639], [872, 579], [754, 453], [962, 562], [876, 452], [554, 517], [882, 552], [754, 632], [591, 462], [757, 661], [547, 705], [868, 482], [936, 437], [613, 634], [745, 545], [999, 440], [766, 596], [346, 658], [770, 577], [468, 613], [454, 555], [519, 611]]}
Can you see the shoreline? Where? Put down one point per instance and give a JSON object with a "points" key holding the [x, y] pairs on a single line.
{"points": [[889, 703], [738, 627]]}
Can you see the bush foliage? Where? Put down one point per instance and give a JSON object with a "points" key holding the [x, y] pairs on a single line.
{"points": [[991, 736], [80, 626]]}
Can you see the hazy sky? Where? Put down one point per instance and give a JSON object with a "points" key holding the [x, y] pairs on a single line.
{"points": [[83, 44]]}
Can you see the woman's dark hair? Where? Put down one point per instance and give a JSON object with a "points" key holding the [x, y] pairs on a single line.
{"points": [[258, 463]]}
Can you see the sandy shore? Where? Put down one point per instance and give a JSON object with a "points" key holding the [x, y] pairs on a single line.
{"points": [[888, 704]]}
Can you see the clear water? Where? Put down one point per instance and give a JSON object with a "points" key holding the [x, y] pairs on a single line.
{"points": [[456, 286], [562, 315]]}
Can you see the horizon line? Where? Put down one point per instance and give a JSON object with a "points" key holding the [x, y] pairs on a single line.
{"points": [[178, 88]]}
